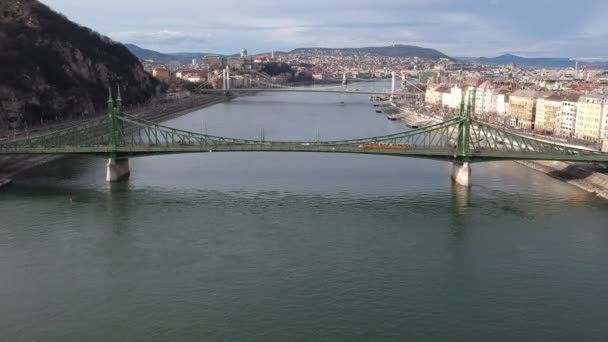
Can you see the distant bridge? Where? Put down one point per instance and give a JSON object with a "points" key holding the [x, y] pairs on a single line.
{"points": [[305, 90], [262, 85], [461, 140]]}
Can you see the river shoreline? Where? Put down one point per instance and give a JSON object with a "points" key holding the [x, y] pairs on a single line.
{"points": [[585, 176], [11, 166]]}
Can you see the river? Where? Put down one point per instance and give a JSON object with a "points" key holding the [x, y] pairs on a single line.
{"points": [[297, 246]]}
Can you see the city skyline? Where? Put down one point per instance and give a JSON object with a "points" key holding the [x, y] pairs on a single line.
{"points": [[454, 27]]}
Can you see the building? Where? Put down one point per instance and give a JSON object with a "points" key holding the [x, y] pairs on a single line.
{"points": [[590, 117], [456, 97], [483, 98], [568, 117], [236, 63], [549, 114], [194, 78], [215, 62], [161, 74], [459, 95], [522, 108], [433, 95], [501, 100], [446, 96]]}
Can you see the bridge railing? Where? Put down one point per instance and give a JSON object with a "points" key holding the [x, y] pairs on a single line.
{"points": [[445, 138]]}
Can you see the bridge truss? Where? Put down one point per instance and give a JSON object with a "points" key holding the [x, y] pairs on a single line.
{"points": [[461, 139]]}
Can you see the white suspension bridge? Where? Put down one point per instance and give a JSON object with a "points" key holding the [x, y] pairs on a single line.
{"points": [[259, 84]]}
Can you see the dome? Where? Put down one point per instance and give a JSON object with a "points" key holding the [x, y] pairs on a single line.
{"points": [[244, 52]]}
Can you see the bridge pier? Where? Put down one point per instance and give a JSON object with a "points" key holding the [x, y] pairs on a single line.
{"points": [[117, 169], [461, 174]]}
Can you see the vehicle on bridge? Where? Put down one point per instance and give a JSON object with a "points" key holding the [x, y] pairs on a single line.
{"points": [[384, 147]]}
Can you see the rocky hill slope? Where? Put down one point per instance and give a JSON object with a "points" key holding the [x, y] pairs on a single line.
{"points": [[52, 68]]}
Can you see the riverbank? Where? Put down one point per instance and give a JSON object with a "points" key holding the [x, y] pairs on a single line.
{"points": [[11, 166], [592, 178]]}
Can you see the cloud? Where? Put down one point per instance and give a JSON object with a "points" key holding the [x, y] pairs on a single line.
{"points": [[163, 38], [456, 27]]}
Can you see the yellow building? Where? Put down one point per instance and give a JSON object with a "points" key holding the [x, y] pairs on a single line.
{"points": [[548, 114], [161, 74], [590, 117], [522, 108]]}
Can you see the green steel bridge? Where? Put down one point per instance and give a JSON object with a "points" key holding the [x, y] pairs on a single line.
{"points": [[461, 140]]}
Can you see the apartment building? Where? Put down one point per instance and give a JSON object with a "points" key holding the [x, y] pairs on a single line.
{"points": [[590, 117], [161, 74], [549, 114], [568, 116], [522, 108]]}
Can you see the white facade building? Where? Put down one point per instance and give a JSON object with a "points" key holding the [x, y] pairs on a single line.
{"points": [[590, 123], [568, 118]]}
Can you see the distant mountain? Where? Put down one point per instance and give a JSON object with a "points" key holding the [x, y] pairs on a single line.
{"points": [[145, 54], [387, 51], [178, 57], [52, 68], [165, 58], [538, 62]]}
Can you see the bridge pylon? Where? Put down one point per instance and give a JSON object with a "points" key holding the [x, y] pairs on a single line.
{"points": [[461, 171], [117, 168]]}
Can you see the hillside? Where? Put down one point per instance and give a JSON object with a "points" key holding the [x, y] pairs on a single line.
{"points": [[387, 51], [165, 58], [52, 68], [177, 57], [528, 62], [146, 54]]}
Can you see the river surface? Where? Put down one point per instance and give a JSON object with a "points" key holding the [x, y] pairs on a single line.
{"points": [[297, 246]]}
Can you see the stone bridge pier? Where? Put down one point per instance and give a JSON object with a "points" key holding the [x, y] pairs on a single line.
{"points": [[117, 169], [461, 173]]}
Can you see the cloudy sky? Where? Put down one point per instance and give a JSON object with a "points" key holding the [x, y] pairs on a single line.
{"points": [[554, 28]]}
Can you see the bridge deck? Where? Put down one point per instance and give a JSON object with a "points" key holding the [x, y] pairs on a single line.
{"points": [[429, 153]]}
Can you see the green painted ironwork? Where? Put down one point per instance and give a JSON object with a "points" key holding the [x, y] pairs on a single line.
{"points": [[459, 139]]}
